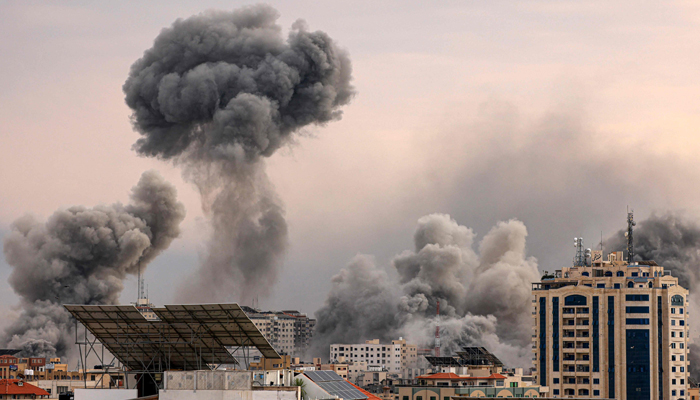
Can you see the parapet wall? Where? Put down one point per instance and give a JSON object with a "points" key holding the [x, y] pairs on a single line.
{"points": [[208, 380]]}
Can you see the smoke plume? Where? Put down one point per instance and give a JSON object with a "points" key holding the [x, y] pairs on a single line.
{"points": [[216, 94], [484, 297], [673, 241], [82, 256]]}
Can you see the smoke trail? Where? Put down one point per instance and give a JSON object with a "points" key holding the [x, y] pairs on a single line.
{"points": [[218, 92], [82, 256], [484, 297]]}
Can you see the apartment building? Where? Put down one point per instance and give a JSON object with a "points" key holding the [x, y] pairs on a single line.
{"points": [[289, 332], [396, 357], [610, 328]]}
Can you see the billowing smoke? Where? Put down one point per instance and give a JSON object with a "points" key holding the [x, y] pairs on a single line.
{"points": [[673, 241], [216, 94], [82, 256], [484, 297]]}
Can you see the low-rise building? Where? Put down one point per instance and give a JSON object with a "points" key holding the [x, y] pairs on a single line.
{"points": [[445, 386], [19, 389], [397, 357]]}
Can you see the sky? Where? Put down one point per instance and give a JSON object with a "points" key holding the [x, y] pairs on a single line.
{"points": [[559, 114]]}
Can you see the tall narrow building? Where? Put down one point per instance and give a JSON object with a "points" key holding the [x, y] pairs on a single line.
{"points": [[613, 329]]}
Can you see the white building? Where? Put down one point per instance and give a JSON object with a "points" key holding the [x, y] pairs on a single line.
{"points": [[396, 357]]}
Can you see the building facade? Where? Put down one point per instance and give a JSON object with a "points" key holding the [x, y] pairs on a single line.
{"points": [[396, 358], [611, 329], [289, 332], [446, 386]]}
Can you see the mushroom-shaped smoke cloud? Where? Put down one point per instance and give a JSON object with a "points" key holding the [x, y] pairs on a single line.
{"points": [[216, 93]]}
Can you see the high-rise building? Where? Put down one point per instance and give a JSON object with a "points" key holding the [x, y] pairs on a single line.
{"points": [[289, 332], [611, 328]]}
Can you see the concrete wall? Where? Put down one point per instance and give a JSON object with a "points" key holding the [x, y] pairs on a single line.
{"points": [[208, 380], [227, 395], [105, 394]]}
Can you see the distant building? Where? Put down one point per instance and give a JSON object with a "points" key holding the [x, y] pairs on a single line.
{"points": [[611, 328], [289, 332], [396, 358], [18, 389]]}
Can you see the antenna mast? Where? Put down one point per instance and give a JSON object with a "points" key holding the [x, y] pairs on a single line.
{"points": [[437, 331], [630, 241]]}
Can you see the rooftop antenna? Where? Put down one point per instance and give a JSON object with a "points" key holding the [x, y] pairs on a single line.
{"points": [[580, 257], [138, 286], [437, 331], [630, 228]]}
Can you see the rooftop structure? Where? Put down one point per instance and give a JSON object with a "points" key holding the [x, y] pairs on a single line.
{"points": [[469, 356], [185, 337], [18, 389]]}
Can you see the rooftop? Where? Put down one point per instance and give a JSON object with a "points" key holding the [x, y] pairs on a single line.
{"points": [[14, 387]]}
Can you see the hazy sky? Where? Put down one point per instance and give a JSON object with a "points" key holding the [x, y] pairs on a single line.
{"points": [[557, 113]]}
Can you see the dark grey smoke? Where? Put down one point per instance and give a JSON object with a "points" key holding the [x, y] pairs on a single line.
{"points": [[82, 256], [673, 241], [484, 297], [216, 93]]}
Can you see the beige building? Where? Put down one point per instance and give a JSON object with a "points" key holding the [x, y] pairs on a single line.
{"points": [[396, 358], [445, 386], [608, 328]]}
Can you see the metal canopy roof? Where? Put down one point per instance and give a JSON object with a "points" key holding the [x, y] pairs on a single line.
{"points": [[187, 337]]}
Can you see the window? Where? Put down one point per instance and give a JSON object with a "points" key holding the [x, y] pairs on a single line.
{"points": [[433, 398], [673, 322], [681, 323], [617, 286], [673, 345], [637, 297], [673, 358], [630, 284], [556, 392], [673, 392], [673, 381], [682, 369], [637, 321], [575, 300], [600, 286], [635, 274], [673, 311], [677, 300], [596, 393], [680, 311], [555, 380], [596, 381], [637, 310], [620, 273]]}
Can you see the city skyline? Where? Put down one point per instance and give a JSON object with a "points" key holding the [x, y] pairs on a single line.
{"points": [[474, 139]]}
